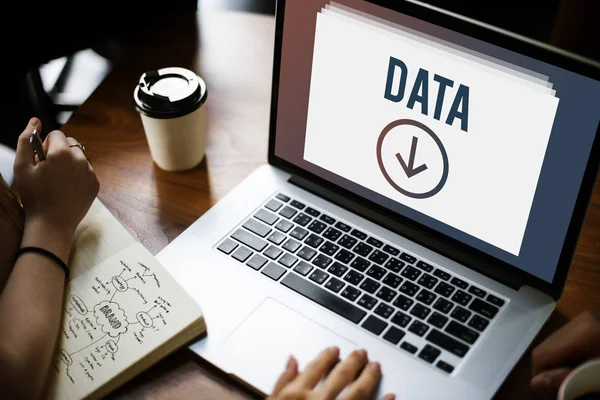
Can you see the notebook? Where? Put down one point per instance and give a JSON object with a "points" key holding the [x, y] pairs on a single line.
{"points": [[123, 312]]}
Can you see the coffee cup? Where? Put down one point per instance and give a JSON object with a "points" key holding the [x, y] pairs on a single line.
{"points": [[171, 105], [582, 383]]}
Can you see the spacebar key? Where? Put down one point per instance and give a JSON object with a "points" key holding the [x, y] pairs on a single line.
{"points": [[323, 297]]}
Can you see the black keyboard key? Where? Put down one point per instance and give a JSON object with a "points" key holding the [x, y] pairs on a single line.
{"points": [[273, 271], [338, 269], [401, 319], [443, 305], [284, 226], [288, 212], [347, 241], [443, 275], [322, 261], [249, 240], [376, 272], [444, 366], [227, 246], [273, 252], [418, 328], [444, 289], [332, 234], [358, 234], [478, 323], [408, 258], [428, 281], [393, 264], [327, 218], [392, 280], [362, 249], [276, 237], [360, 264], [498, 302], [370, 286], [459, 282], [460, 314], [354, 277], [342, 226], [314, 241], [256, 262], [411, 273], [384, 311], [287, 260], [344, 256], [375, 242], [273, 205], [329, 248], [484, 308], [378, 257], [303, 268], [403, 302], [317, 226], [391, 250], [374, 325], [302, 219], [408, 347], [420, 311], [312, 212], [462, 298], [409, 288], [324, 298], [447, 343], [283, 197], [477, 291], [425, 266], [265, 216], [306, 253], [298, 233], [256, 227], [438, 320], [297, 204], [318, 276], [426, 297], [334, 284], [386, 294], [394, 335], [462, 332], [351, 293], [429, 353], [292, 245], [367, 301]]}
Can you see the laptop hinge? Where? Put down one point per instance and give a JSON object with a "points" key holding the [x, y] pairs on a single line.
{"points": [[412, 232]]}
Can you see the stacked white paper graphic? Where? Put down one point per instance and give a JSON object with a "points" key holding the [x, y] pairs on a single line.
{"points": [[452, 134]]}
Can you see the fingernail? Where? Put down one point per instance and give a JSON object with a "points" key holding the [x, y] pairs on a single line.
{"points": [[362, 353], [375, 366], [291, 362], [389, 396], [33, 121]]}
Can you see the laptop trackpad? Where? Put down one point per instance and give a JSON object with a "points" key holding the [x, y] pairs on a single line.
{"points": [[259, 347]]}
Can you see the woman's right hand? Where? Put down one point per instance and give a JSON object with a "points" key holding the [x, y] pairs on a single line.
{"points": [[58, 191], [356, 377]]}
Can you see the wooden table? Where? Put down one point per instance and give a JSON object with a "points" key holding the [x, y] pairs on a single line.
{"points": [[233, 53]]}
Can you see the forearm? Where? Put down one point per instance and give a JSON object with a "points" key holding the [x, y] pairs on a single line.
{"points": [[30, 311]]}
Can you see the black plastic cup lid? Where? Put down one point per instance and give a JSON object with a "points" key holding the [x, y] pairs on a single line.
{"points": [[169, 93]]}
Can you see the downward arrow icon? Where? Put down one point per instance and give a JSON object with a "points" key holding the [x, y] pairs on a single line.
{"points": [[410, 169]]}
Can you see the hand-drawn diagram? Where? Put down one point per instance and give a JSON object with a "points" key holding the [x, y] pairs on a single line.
{"points": [[117, 305]]}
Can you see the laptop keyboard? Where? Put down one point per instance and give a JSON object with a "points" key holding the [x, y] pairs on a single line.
{"points": [[409, 303]]}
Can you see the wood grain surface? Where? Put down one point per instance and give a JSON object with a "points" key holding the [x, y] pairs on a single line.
{"points": [[233, 53]]}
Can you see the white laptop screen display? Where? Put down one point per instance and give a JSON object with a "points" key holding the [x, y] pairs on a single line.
{"points": [[477, 142]]}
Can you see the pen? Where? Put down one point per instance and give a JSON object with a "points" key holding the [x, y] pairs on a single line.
{"points": [[36, 144]]}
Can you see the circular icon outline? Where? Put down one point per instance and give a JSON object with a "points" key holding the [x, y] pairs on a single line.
{"points": [[437, 141]]}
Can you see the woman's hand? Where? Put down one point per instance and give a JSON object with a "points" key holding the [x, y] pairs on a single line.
{"points": [[59, 191], [356, 374]]}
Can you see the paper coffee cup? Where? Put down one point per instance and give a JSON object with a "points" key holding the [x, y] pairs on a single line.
{"points": [[171, 104], [581, 382]]}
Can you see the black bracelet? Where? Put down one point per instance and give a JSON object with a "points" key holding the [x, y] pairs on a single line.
{"points": [[45, 253]]}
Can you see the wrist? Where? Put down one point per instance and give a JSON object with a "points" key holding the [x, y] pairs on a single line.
{"points": [[49, 236]]}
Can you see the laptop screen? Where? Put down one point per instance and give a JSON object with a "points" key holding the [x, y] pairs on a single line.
{"points": [[475, 141]]}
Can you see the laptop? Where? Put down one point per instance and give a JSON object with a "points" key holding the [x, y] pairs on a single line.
{"points": [[427, 179]]}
